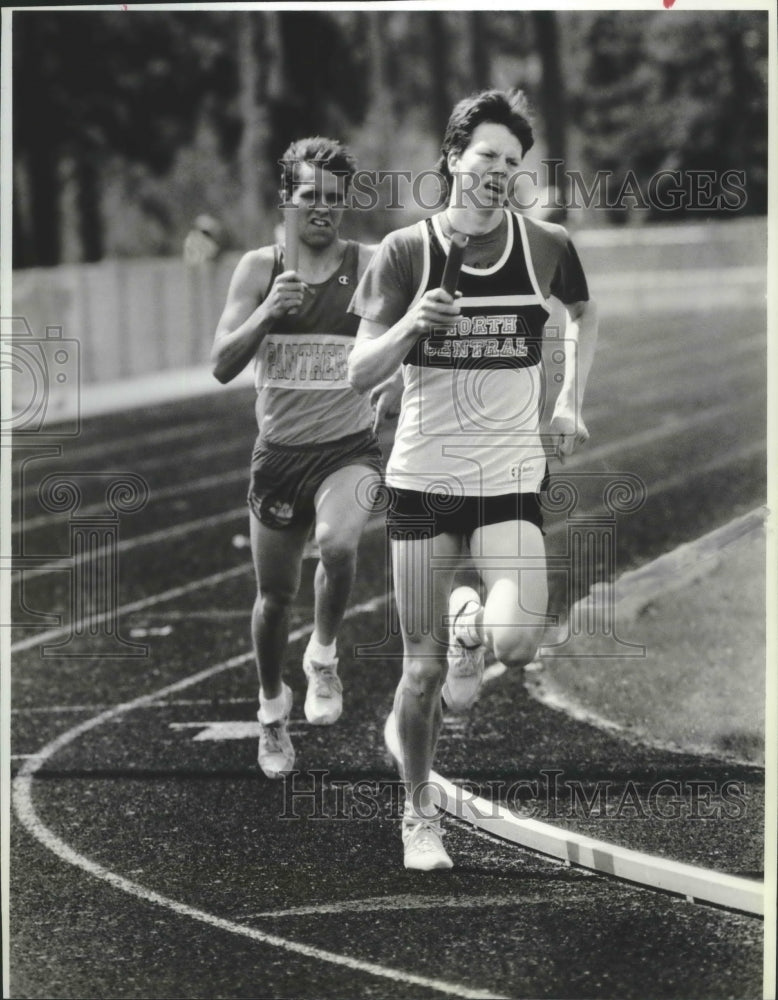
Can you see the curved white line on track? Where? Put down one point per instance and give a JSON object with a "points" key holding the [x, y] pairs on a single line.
{"points": [[375, 904], [25, 810]]}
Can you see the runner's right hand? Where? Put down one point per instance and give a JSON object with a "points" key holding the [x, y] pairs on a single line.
{"points": [[435, 308], [285, 295]]}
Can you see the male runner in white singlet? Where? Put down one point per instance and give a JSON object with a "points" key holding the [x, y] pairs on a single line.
{"points": [[316, 460], [468, 462]]}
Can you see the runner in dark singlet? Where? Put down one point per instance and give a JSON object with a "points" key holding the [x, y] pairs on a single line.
{"points": [[316, 461]]}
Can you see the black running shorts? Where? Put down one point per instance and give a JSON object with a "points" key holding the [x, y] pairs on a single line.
{"points": [[285, 478], [412, 514]]}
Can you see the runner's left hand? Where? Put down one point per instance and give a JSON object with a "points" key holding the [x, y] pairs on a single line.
{"points": [[385, 399], [568, 431]]}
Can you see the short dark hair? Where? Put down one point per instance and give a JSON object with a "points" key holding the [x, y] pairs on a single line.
{"points": [[503, 107], [329, 154]]}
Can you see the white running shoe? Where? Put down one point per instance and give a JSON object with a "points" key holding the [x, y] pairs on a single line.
{"points": [[423, 847], [324, 700], [465, 660], [276, 753]]}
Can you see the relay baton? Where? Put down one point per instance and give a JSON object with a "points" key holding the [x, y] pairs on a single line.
{"points": [[456, 254], [291, 242]]}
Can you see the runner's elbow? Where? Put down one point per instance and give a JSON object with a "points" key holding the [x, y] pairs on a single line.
{"points": [[359, 375], [221, 368]]}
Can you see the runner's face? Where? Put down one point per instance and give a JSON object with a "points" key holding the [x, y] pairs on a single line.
{"points": [[320, 196], [483, 170]]}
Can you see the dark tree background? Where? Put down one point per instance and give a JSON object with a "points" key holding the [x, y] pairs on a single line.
{"points": [[128, 124]]}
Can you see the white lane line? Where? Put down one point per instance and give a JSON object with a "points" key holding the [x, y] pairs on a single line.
{"points": [[659, 362], [374, 904], [163, 493], [649, 870], [172, 703], [164, 534], [73, 454], [670, 427], [173, 593], [25, 810], [670, 353], [126, 609], [671, 482]]}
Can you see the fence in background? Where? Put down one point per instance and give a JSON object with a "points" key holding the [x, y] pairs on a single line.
{"points": [[135, 317], [130, 317]]}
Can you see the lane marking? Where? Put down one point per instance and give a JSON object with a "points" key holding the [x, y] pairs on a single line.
{"points": [[730, 891], [166, 595], [670, 427], [151, 538], [375, 904], [721, 461], [172, 703], [99, 449], [25, 810], [158, 493], [233, 730], [173, 593]]}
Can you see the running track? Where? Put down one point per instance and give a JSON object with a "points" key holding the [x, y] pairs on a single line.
{"points": [[149, 858]]}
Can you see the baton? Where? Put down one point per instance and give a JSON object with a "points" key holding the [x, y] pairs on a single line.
{"points": [[291, 242], [456, 254]]}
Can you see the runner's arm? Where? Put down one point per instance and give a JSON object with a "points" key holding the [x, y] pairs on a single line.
{"points": [[250, 311], [380, 349], [580, 340]]}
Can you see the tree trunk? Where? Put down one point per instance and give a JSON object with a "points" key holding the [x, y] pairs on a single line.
{"points": [[480, 68], [44, 189], [36, 146], [22, 225], [90, 221], [552, 91], [440, 106], [253, 141]]}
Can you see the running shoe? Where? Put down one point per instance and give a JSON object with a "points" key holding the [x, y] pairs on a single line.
{"points": [[276, 753], [465, 660], [423, 846], [324, 700]]}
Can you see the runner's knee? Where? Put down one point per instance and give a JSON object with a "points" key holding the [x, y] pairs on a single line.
{"points": [[423, 675], [272, 605], [515, 647], [337, 547]]}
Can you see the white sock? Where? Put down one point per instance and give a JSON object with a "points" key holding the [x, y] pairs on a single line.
{"points": [[465, 627], [420, 813], [322, 654], [272, 709]]}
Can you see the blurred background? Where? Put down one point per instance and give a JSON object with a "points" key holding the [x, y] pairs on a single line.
{"points": [[132, 128]]}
